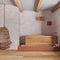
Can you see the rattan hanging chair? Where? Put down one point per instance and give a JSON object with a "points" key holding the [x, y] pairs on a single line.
{"points": [[4, 36]]}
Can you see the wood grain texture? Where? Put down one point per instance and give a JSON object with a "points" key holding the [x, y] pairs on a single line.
{"points": [[39, 48], [19, 5], [39, 40], [35, 48], [39, 5], [56, 7], [18, 55]]}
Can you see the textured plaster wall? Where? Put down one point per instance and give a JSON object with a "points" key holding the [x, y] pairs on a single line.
{"points": [[56, 17]]}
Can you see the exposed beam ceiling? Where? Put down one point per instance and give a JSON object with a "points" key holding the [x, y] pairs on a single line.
{"points": [[39, 4], [19, 5], [56, 7]]}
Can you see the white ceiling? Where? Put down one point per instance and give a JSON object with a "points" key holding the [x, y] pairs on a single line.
{"points": [[49, 3], [29, 4]]}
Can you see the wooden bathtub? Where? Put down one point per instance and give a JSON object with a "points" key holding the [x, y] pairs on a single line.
{"points": [[38, 43]]}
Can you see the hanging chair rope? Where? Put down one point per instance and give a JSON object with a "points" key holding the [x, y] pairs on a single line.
{"points": [[4, 15], [4, 36]]}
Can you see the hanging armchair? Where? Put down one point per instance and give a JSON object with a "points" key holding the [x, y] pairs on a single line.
{"points": [[4, 38], [4, 35]]}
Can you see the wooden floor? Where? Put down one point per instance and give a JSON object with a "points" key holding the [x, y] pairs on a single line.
{"points": [[20, 55]]}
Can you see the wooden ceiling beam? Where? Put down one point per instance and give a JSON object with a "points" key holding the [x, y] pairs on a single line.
{"points": [[56, 7], [39, 4], [19, 5]]}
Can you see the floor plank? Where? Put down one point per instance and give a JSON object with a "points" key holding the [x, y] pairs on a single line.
{"points": [[19, 55]]}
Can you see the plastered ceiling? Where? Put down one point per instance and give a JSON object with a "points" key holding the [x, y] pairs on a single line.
{"points": [[29, 4]]}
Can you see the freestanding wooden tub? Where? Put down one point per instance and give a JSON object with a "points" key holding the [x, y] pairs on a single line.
{"points": [[38, 43]]}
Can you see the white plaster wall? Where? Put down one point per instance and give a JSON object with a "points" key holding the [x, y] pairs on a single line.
{"points": [[1, 15], [12, 23], [48, 30], [0, 1], [29, 24], [9, 2], [56, 16]]}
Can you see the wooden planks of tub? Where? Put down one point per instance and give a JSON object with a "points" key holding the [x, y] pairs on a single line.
{"points": [[32, 40], [39, 43], [38, 48]]}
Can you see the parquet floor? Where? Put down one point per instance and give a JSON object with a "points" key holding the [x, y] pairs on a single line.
{"points": [[20, 55]]}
